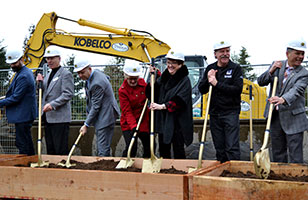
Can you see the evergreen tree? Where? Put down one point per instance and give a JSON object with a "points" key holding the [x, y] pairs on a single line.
{"points": [[3, 64], [31, 30], [115, 72], [78, 101], [5, 75], [241, 59]]}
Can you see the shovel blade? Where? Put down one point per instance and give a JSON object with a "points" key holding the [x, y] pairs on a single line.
{"points": [[40, 164], [192, 169], [64, 164], [262, 163], [152, 165], [125, 163], [67, 164], [61, 164]]}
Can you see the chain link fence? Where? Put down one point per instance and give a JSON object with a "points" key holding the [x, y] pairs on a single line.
{"points": [[7, 131]]}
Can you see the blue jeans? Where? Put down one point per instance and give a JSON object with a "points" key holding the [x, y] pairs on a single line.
{"points": [[103, 140], [24, 139], [225, 130]]}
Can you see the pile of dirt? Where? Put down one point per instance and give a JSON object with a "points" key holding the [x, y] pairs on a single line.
{"points": [[272, 176], [108, 165]]}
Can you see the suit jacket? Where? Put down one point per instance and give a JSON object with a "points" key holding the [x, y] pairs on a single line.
{"points": [[102, 106], [292, 114], [20, 100], [59, 93]]}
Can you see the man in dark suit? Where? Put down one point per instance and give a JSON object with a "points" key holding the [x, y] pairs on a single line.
{"points": [[58, 90], [102, 107], [289, 119], [20, 102]]}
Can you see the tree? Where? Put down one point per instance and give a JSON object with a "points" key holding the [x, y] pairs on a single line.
{"points": [[78, 101], [31, 30], [115, 71], [3, 64], [241, 59], [5, 75]]}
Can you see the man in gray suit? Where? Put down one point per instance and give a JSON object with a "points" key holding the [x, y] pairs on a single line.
{"points": [[102, 107], [58, 90], [289, 119]]}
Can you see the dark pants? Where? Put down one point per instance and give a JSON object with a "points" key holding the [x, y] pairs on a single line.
{"points": [[177, 143], [24, 139], [145, 139], [225, 133], [281, 143], [56, 136]]}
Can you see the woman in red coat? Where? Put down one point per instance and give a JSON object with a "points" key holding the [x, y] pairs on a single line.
{"points": [[132, 98]]}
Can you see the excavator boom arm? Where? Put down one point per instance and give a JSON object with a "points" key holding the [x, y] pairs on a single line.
{"points": [[122, 43]]}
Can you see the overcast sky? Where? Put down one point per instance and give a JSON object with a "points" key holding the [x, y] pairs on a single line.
{"points": [[263, 27]]}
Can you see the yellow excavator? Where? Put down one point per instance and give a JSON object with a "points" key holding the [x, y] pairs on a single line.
{"points": [[127, 43], [131, 44]]}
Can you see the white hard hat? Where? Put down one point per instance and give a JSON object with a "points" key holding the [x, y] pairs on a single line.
{"points": [[13, 56], [299, 45], [81, 65], [132, 68], [52, 51], [221, 45], [175, 55]]}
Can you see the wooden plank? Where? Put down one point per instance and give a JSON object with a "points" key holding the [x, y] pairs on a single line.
{"points": [[21, 160], [207, 187], [10, 156], [208, 184], [47, 183], [78, 184]]}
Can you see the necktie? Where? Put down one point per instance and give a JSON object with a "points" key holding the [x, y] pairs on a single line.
{"points": [[86, 86], [287, 73]]}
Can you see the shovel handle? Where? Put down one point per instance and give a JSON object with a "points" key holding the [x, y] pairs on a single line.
{"points": [[269, 118], [250, 124], [73, 147], [142, 113], [204, 127], [39, 137], [152, 113]]}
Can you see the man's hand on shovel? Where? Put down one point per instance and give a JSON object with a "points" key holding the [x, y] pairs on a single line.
{"points": [[276, 100], [83, 130]]}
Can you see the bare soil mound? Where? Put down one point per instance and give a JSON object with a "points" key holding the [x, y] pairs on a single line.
{"points": [[272, 176], [108, 165]]}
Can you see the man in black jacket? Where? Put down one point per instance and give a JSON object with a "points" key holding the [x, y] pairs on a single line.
{"points": [[227, 83]]}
